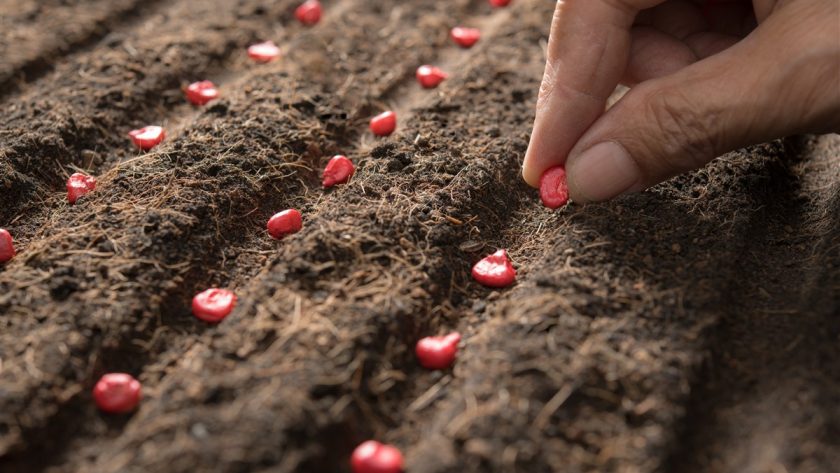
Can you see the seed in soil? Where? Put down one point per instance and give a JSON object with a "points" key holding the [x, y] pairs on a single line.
{"points": [[309, 12], [78, 185], [199, 93], [374, 457], [465, 37], [384, 124], [263, 52], [7, 247], [117, 393], [500, 3], [338, 171], [495, 270], [438, 353], [430, 76], [284, 223], [554, 191], [213, 305], [147, 137]]}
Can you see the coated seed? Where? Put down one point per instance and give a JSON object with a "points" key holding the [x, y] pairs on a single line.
{"points": [[117, 393], [438, 353], [263, 52], [383, 124], [374, 457], [213, 305], [495, 270], [199, 93], [7, 247], [309, 12], [465, 37], [554, 191], [338, 171], [147, 137], [284, 223], [430, 76], [78, 185]]}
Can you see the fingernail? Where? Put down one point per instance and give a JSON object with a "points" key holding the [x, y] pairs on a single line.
{"points": [[602, 172]]}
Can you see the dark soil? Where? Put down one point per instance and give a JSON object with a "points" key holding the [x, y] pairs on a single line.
{"points": [[694, 327]]}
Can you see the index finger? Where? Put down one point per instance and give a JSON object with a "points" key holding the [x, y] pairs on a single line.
{"points": [[588, 51]]}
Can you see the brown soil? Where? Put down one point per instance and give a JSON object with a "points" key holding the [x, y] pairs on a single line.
{"points": [[690, 328]]}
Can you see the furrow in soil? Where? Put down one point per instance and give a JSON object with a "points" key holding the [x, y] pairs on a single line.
{"points": [[78, 117], [325, 334], [158, 224], [36, 35], [776, 344]]}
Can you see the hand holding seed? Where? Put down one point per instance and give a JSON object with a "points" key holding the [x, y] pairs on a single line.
{"points": [[706, 77]]}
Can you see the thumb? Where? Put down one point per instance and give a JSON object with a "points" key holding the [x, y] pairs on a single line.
{"points": [[778, 81]]}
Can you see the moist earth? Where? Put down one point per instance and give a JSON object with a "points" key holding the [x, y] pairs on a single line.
{"points": [[694, 327]]}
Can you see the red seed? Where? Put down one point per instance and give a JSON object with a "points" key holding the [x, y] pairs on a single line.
{"points": [[309, 12], [500, 3], [7, 247], [264, 52], [384, 124], [199, 93], [284, 223], [438, 353], [117, 393], [554, 192], [430, 76], [147, 137], [465, 37], [78, 185], [213, 305], [495, 270], [338, 171], [374, 457]]}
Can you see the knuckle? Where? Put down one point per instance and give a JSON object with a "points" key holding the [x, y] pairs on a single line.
{"points": [[688, 138]]}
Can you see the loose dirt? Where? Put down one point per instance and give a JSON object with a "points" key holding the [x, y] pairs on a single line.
{"points": [[692, 327]]}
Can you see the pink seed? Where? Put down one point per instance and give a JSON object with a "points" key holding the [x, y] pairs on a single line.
{"points": [[309, 12], [495, 270], [430, 76], [284, 223], [438, 353], [7, 247], [263, 52], [554, 192], [384, 124], [199, 93], [500, 3], [465, 37], [374, 457], [213, 305], [117, 393], [78, 185], [338, 171], [147, 137]]}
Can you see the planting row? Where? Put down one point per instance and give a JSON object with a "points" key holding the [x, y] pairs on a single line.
{"points": [[496, 269]]}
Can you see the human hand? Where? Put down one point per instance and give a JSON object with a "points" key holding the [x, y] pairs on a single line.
{"points": [[706, 77]]}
